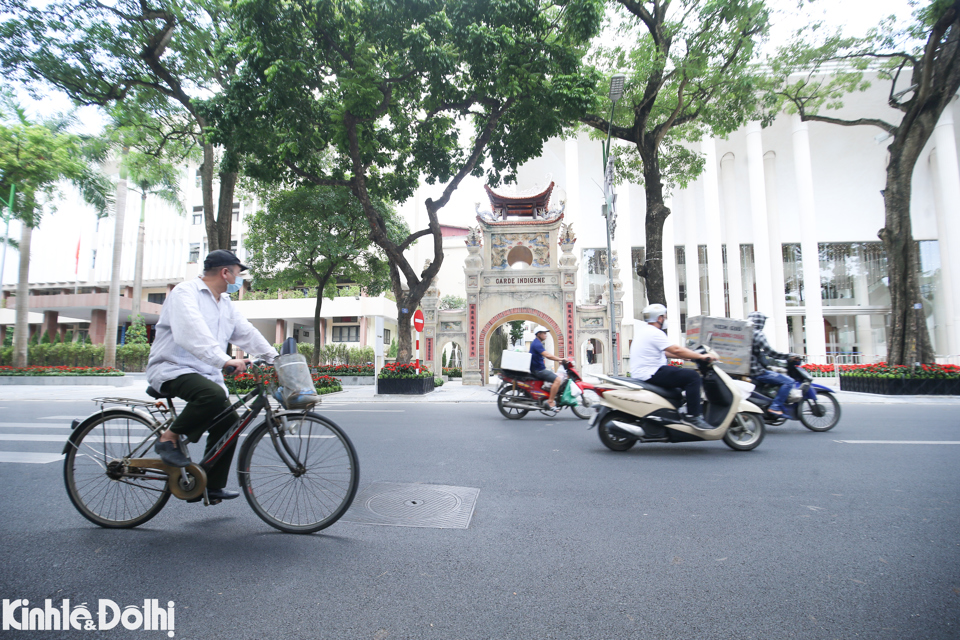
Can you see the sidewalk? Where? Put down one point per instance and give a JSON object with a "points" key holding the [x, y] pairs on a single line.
{"points": [[451, 392]]}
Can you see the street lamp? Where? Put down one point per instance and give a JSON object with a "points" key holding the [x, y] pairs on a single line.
{"points": [[608, 211]]}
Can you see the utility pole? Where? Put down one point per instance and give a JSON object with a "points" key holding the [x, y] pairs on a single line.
{"points": [[609, 213]]}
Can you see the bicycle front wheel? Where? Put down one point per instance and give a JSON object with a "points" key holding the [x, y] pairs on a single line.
{"points": [[300, 477], [101, 485]]}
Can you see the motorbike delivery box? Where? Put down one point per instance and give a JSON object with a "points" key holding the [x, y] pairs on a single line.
{"points": [[731, 339]]}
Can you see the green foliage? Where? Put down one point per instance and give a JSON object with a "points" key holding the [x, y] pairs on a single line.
{"points": [[136, 332], [443, 360], [452, 302], [37, 157], [130, 357], [392, 351], [516, 331], [438, 382]]}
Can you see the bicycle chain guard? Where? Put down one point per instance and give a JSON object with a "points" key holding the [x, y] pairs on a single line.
{"points": [[183, 487]]}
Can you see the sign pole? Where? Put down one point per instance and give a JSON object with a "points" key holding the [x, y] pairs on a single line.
{"points": [[418, 321]]}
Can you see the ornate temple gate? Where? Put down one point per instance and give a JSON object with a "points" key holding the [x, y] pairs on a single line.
{"points": [[520, 266]]}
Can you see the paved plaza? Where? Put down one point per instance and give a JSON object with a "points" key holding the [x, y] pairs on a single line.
{"points": [[845, 534]]}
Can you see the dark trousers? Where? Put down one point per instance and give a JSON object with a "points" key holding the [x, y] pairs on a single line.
{"points": [[677, 378], [205, 401]]}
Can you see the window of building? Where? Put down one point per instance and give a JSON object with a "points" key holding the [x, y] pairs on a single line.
{"points": [[199, 180], [198, 215], [346, 333], [233, 247], [236, 212], [93, 260], [594, 265], [386, 337], [156, 298], [194, 253]]}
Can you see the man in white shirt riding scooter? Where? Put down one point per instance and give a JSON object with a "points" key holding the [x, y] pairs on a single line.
{"points": [[648, 362]]}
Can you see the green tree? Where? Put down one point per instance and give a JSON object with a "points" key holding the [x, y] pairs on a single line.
{"points": [[690, 72], [316, 235], [452, 302], [374, 96], [161, 58], [516, 331], [921, 64], [38, 158], [137, 331]]}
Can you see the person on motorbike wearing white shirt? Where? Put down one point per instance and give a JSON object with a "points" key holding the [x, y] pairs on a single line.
{"points": [[648, 362]]}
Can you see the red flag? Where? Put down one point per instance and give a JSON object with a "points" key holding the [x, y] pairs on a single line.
{"points": [[76, 268]]}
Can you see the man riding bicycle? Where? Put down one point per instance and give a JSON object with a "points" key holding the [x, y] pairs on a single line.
{"points": [[187, 358]]}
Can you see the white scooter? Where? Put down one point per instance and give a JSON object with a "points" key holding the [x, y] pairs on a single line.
{"points": [[631, 411]]}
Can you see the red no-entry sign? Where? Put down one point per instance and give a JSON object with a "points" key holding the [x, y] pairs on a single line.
{"points": [[418, 320]]}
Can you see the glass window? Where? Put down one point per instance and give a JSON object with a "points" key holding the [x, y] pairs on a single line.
{"points": [[236, 212], [194, 253], [156, 298], [198, 215], [198, 179], [386, 337], [346, 333], [594, 264]]}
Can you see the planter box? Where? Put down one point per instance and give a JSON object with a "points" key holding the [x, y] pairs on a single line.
{"points": [[355, 381], [901, 386], [408, 387]]}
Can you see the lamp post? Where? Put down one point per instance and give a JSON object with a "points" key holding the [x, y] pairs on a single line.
{"points": [[8, 205], [608, 211]]}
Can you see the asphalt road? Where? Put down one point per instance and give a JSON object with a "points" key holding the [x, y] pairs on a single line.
{"points": [[804, 537]]}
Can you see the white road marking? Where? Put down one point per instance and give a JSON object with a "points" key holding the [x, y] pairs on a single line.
{"points": [[29, 457], [898, 441]]}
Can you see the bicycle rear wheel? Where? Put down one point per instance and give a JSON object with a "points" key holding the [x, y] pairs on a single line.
{"points": [[100, 484], [300, 478]]}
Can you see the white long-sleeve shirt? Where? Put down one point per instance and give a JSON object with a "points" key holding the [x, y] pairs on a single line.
{"points": [[194, 331]]}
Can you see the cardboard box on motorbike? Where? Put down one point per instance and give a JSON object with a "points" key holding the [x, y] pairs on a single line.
{"points": [[731, 339]]}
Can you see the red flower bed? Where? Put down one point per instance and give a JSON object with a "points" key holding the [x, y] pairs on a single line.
{"points": [[884, 370], [400, 371], [59, 371]]}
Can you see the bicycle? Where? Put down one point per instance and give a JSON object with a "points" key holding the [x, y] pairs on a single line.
{"points": [[297, 469]]}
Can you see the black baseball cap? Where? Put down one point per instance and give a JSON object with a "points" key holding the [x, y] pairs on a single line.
{"points": [[222, 258]]}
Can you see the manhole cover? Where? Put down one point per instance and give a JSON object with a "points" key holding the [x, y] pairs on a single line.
{"points": [[414, 505]]}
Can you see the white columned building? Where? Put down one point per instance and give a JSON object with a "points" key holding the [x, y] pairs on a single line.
{"points": [[947, 185], [732, 235]]}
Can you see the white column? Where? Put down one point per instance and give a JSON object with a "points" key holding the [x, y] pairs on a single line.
{"points": [[779, 334], [948, 227], [861, 296], [728, 179], [571, 161], [692, 259], [622, 244], [670, 286], [714, 241], [758, 208], [816, 337]]}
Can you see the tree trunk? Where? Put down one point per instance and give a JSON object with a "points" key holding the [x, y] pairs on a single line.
{"points": [[405, 310], [138, 266], [228, 184], [21, 331], [206, 188], [113, 300], [656, 215], [908, 342]]}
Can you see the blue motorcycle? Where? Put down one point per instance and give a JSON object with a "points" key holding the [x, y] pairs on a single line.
{"points": [[814, 405]]}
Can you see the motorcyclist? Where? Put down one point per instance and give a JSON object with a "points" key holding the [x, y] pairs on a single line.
{"points": [[759, 372], [648, 362], [537, 367]]}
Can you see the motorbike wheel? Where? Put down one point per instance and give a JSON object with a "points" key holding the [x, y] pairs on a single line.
{"points": [[820, 415], [611, 440], [582, 412], [511, 413], [746, 432]]}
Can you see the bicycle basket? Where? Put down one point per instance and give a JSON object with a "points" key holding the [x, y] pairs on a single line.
{"points": [[295, 388]]}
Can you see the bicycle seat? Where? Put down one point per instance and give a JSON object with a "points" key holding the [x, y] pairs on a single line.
{"points": [[153, 393]]}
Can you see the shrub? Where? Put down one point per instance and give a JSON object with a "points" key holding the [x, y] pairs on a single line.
{"points": [[453, 372], [438, 382], [59, 371], [136, 332]]}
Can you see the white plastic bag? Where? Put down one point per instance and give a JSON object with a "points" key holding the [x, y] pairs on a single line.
{"points": [[295, 384]]}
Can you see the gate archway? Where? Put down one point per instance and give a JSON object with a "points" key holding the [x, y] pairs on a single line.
{"points": [[510, 315]]}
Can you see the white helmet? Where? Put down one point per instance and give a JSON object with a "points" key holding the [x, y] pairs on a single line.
{"points": [[653, 311], [541, 329]]}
